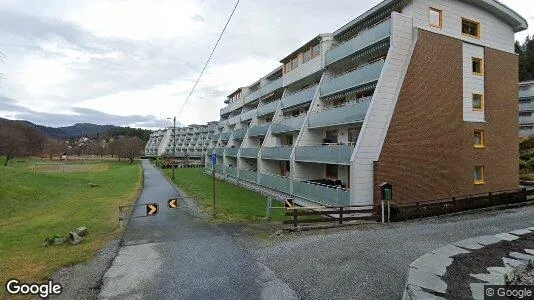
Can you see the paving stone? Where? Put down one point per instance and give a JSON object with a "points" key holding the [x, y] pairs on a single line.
{"points": [[469, 244], [432, 263], [507, 236], [426, 280], [490, 278], [521, 256], [520, 232], [531, 228], [415, 292], [500, 270], [487, 240], [449, 251], [477, 290], [529, 251], [513, 262]]}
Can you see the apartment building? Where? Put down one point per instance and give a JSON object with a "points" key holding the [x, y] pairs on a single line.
{"points": [[191, 141], [416, 93], [526, 109]]}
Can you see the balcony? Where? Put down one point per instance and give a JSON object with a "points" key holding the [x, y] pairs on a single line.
{"points": [[219, 151], [272, 86], [350, 80], [275, 182], [526, 105], [249, 152], [277, 153], [268, 108], [526, 94], [248, 115], [526, 120], [234, 120], [300, 97], [218, 168], [334, 154], [231, 152], [322, 194], [258, 130], [239, 134], [230, 171], [247, 175], [288, 125], [348, 114], [360, 42], [252, 96], [231, 107], [209, 151], [225, 136]]}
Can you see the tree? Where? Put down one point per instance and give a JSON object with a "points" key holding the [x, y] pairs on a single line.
{"points": [[130, 148], [54, 148], [526, 59], [18, 139]]}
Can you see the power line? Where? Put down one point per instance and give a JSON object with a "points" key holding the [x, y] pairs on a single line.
{"points": [[209, 58]]}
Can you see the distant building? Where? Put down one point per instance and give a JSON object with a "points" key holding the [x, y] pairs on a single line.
{"points": [[526, 109], [418, 93]]}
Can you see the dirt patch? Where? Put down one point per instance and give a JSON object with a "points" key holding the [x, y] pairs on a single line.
{"points": [[458, 273]]}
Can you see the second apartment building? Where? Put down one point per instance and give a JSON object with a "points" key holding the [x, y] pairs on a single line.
{"points": [[416, 93]]}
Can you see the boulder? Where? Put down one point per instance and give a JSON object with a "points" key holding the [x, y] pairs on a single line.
{"points": [[82, 231], [74, 238]]}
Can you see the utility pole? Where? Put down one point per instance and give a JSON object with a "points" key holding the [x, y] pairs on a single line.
{"points": [[173, 144]]}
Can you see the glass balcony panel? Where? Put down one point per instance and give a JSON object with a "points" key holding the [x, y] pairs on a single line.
{"points": [[230, 171], [249, 152], [299, 97], [275, 182], [225, 136], [348, 114], [258, 130], [287, 125], [248, 115], [219, 151], [526, 105], [268, 108], [361, 41], [248, 175], [239, 134], [526, 94], [232, 152], [352, 79], [272, 86], [321, 194], [336, 154], [218, 168], [526, 119], [277, 153], [252, 96]]}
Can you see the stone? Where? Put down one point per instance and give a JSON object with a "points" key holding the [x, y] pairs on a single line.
{"points": [[415, 292], [469, 244], [47, 242], [500, 270], [497, 279], [529, 251], [426, 280], [513, 263], [74, 238], [93, 184], [477, 290], [59, 241], [521, 256], [449, 251], [432, 263], [507, 236], [520, 232], [82, 231], [487, 240]]}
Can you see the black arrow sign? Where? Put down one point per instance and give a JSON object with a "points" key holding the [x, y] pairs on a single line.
{"points": [[152, 209], [173, 203]]}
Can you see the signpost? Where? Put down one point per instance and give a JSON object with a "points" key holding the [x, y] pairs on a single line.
{"points": [[213, 163]]}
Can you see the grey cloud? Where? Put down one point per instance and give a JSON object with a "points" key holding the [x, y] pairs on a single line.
{"points": [[198, 18]]}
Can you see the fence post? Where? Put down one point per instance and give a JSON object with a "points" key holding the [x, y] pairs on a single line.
{"points": [[341, 215], [269, 202], [389, 211], [295, 221], [382, 205]]}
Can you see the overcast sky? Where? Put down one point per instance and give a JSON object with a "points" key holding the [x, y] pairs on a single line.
{"points": [[134, 62]]}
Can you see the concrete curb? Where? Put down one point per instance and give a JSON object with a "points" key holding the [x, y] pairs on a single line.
{"points": [[425, 273]]}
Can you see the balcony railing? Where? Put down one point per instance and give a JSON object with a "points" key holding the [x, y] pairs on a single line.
{"points": [[225, 136], [234, 120], [350, 80], [275, 182], [219, 151], [526, 94], [268, 108], [348, 114], [322, 194], [287, 125], [361, 41], [299, 97], [258, 130], [232, 152], [251, 176], [218, 168], [209, 151], [248, 115], [231, 107], [526, 120], [335, 154], [249, 152], [252, 96], [239, 134], [272, 86], [526, 106], [230, 171], [277, 153]]}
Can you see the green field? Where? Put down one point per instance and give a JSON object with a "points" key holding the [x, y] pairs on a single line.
{"points": [[36, 205], [233, 203]]}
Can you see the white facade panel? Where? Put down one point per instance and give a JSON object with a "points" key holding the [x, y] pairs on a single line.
{"points": [[494, 33], [472, 83]]}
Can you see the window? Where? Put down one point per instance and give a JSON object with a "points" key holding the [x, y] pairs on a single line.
{"points": [[285, 168], [479, 138], [478, 102], [435, 17], [268, 119], [315, 51], [294, 63], [306, 56], [353, 135], [478, 66], [478, 175], [287, 140], [287, 67], [330, 136], [470, 28], [331, 171]]}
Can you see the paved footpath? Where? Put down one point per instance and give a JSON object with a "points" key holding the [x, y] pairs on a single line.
{"points": [[175, 256]]}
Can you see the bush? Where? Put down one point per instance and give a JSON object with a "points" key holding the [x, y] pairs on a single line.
{"points": [[526, 144]]}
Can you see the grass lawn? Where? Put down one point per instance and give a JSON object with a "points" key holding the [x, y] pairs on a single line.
{"points": [[36, 205], [233, 203]]}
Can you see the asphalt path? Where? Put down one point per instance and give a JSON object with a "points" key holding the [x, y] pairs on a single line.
{"points": [[175, 256]]}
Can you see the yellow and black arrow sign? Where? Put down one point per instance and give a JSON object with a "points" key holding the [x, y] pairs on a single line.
{"points": [[152, 209], [173, 203]]}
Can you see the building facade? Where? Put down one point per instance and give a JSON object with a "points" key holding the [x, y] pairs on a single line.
{"points": [[191, 141], [417, 93], [526, 109]]}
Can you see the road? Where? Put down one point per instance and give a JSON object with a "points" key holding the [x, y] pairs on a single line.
{"points": [[175, 256]]}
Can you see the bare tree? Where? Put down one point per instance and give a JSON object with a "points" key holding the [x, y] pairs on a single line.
{"points": [[130, 148], [17, 140], [54, 148]]}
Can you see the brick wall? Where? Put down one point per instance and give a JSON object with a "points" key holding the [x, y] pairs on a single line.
{"points": [[428, 152]]}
